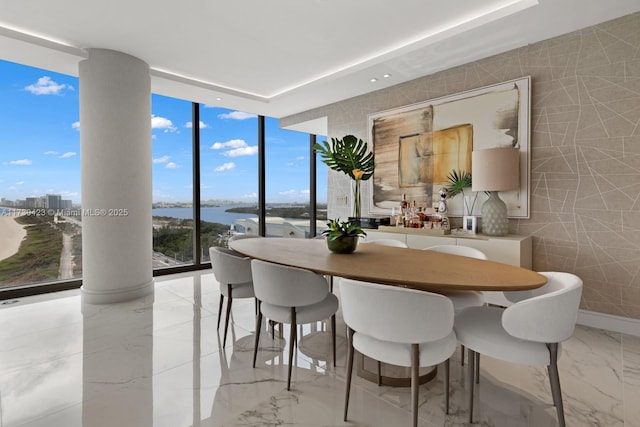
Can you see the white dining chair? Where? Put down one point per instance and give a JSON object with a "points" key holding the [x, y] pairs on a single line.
{"points": [[387, 242], [462, 299], [294, 296], [528, 332], [233, 273], [382, 325]]}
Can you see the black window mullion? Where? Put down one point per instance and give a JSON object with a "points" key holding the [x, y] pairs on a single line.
{"points": [[195, 133]]}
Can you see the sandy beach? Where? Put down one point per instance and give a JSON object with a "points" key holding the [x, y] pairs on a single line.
{"points": [[11, 235]]}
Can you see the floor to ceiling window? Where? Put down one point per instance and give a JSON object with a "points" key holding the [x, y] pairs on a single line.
{"points": [[228, 175], [40, 211], [173, 227], [287, 181], [40, 224]]}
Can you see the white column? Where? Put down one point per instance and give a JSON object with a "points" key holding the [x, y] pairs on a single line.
{"points": [[115, 151]]}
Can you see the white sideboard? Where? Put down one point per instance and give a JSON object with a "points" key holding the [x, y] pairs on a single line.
{"points": [[510, 249]]}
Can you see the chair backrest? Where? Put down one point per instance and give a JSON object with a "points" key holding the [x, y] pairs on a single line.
{"points": [[387, 242], [550, 314], [395, 314], [458, 250], [287, 286], [229, 267]]}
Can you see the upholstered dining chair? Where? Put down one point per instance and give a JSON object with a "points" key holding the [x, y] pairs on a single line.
{"points": [[233, 273], [294, 296], [387, 242], [462, 299], [528, 332], [382, 325]]}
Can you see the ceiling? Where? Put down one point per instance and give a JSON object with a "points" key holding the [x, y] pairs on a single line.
{"points": [[281, 57]]}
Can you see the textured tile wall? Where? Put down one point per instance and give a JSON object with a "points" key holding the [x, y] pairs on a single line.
{"points": [[585, 143]]}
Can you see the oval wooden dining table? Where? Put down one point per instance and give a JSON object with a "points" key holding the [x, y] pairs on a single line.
{"points": [[413, 268]]}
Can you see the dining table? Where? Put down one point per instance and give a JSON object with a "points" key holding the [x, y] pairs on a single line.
{"points": [[412, 268], [394, 266]]}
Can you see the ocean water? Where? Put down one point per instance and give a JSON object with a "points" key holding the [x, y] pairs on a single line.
{"points": [[217, 214]]}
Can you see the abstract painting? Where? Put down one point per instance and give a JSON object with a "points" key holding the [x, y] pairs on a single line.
{"points": [[417, 146]]}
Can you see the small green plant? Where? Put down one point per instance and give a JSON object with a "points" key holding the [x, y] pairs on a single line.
{"points": [[458, 181], [337, 229]]}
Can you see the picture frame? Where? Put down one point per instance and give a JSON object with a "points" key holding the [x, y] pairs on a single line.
{"points": [[416, 146], [470, 224]]}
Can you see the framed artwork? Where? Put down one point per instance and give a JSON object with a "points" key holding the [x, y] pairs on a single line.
{"points": [[417, 146]]}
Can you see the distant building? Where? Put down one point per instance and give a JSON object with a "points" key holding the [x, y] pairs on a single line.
{"points": [[54, 201], [34, 202], [66, 204]]}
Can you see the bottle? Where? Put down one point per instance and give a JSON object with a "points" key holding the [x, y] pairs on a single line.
{"points": [[404, 204]]}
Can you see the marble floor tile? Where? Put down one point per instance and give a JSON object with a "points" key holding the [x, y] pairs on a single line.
{"points": [[159, 361]]}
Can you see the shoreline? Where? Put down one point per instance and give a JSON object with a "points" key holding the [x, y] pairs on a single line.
{"points": [[12, 234]]}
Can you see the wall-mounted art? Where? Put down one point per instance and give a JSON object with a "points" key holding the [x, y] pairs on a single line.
{"points": [[418, 145]]}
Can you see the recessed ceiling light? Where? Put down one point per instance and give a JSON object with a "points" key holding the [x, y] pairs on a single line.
{"points": [[373, 80], [218, 98], [387, 75]]}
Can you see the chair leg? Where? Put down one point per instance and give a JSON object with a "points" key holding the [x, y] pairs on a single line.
{"points": [[258, 325], [461, 355], [446, 386], [331, 284], [220, 310], [554, 380], [477, 368], [379, 373], [470, 374], [333, 338], [350, 352], [415, 367], [292, 342], [226, 320]]}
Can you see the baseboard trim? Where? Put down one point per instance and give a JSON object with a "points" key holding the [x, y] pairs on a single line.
{"points": [[609, 322]]}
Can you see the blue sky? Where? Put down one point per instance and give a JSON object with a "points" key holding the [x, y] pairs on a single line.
{"points": [[40, 140]]}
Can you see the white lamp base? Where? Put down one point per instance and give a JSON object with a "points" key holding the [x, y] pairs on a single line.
{"points": [[495, 221]]}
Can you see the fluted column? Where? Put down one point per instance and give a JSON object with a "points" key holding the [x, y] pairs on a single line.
{"points": [[115, 150]]}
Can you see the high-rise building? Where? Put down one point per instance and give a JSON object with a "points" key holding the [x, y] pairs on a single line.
{"points": [[53, 201]]}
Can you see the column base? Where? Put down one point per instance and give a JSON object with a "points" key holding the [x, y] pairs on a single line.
{"points": [[116, 295]]}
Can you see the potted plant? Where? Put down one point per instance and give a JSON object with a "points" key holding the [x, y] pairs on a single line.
{"points": [[458, 181], [352, 157], [342, 236]]}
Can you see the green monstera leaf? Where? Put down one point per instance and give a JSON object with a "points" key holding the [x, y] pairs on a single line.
{"points": [[348, 155]]}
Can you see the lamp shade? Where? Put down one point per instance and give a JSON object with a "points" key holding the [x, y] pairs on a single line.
{"points": [[495, 169]]}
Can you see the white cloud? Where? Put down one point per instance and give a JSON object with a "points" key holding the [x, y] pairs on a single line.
{"points": [[225, 167], [236, 115], [46, 86], [290, 164], [19, 182], [250, 196], [244, 151], [287, 193], [50, 153], [238, 148], [203, 125], [305, 192], [162, 123], [163, 159], [68, 154], [21, 162], [233, 143], [300, 158], [75, 125], [171, 165]]}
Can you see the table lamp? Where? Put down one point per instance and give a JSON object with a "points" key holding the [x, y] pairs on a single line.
{"points": [[495, 170]]}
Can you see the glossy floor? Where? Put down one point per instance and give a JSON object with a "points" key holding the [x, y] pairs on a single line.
{"points": [[158, 362]]}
